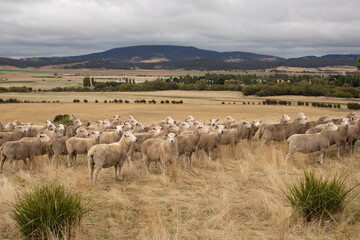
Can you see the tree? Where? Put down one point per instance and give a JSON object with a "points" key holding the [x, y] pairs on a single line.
{"points": [[358, 64], [86, 82], [93, 81]]}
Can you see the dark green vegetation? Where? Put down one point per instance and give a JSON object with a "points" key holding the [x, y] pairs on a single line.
{"points": [[47, 212], [179, 57], [63, 119], [318, 198]]}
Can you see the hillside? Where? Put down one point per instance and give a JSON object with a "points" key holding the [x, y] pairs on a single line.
{"points": [[180, 57]]}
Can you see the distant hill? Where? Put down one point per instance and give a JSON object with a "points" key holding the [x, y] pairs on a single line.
{"points": [[159, 53], [175, 57]]}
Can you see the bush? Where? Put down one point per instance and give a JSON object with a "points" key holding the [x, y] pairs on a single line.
{"points": [[352, 106], [126, 101], [318, 198], [96, 101], [85, 101], [48, 211], [222, 102], [76, 100], [62, 119]]}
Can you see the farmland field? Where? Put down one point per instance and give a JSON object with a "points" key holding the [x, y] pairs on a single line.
{"points": [[237, 196]]}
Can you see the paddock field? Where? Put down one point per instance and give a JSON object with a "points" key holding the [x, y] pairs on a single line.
{"points": [[238, 196]]}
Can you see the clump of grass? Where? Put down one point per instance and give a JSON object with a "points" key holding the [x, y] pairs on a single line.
{"points": [[48, 211], [63, 119], [318, 198]]}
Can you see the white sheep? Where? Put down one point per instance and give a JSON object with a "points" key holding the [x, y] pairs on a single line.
{"points": [[109, 155], [308, 143]]}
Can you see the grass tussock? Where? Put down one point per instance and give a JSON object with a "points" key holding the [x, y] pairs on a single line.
{"points": [[48, 211], [320, 198]]}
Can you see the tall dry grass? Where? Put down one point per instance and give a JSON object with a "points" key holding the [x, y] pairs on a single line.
{"points": [[237, 196]]}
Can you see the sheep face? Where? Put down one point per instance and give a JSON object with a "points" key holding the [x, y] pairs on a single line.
{"points": [[301, 116], [59, 132], [23, 128], [345, 122], [185, 125], [44, 138], [96, 134], [106, 123], [158, 129], [246, 124], [119, 129], [78, 123], [133, 122], [229, 119], [169, 120], [82, 132], [117, 117], [48, 122], [190, 118], [171, 137], [51, 127], [285, 118], [131, 118], [220, 129], [214, 122], [325, 119], [197, 123], [332, 127], [256, 123], [173, 127], [126, 126], [61, 127], [203, 130], [130, 137], [72, 117], [16, 123]]}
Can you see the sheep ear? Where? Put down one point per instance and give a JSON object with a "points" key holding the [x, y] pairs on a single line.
{"points": [[166, 135], [175, 134], [174, 121], [217, 120], [217, 126]]}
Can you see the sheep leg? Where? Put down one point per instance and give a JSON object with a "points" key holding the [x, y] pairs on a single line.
{"points": [[190, 159], [2, 163], [288, 157], [338, 151], [97, 170], [321, 156], [11, 167], [70, 156], [210, 153], [31, 160], [91, 171], [116, 170], [129, 156], [121, 163]]}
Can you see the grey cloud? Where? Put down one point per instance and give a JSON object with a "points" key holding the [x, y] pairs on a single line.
{"points": [[278, 27]]}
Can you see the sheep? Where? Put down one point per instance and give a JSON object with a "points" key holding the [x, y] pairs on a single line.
{"points": [[116, 121], [353, 135], [85, 122], [281, 131], [308, 143], [9, 127], [34, 130], [139, 128], [283, 119], [169, 120], [233, 136], [171, 128], [127, 126], [76, 146], [352, 114], [208, 142], [70, 130], [20, 150], [136, 146], [187, 143], [132, 121], [213, 122], [249, 133], [160, 151], [190, 118], [111, 137], [108, 155], [320, 127], [322, 119], [228, 121], [58, 145], [184, 126], [17, 134]]}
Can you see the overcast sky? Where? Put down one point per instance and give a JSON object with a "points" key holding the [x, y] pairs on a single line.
{"points": [[286, 28]]}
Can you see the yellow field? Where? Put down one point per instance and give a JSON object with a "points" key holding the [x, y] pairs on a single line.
{"points": [[238, 196]]}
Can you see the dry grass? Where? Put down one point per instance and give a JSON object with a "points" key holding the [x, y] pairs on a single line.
{"points": [[238, 196]]}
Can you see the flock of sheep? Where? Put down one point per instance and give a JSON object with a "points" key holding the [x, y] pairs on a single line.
{"points": [[111, 143]]}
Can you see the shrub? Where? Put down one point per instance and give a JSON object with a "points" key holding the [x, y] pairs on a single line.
{"points": [[85, 101], [48, 211], [318, 198], [167, 101], [244, 103], [126, 101], [76, 100], [62, 119], [120, 101], [307, 104], [96, 101], [352, 106], [222, 102]]}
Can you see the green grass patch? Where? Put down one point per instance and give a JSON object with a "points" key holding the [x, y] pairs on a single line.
{"points": [[320, 198], [48, 211]]}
